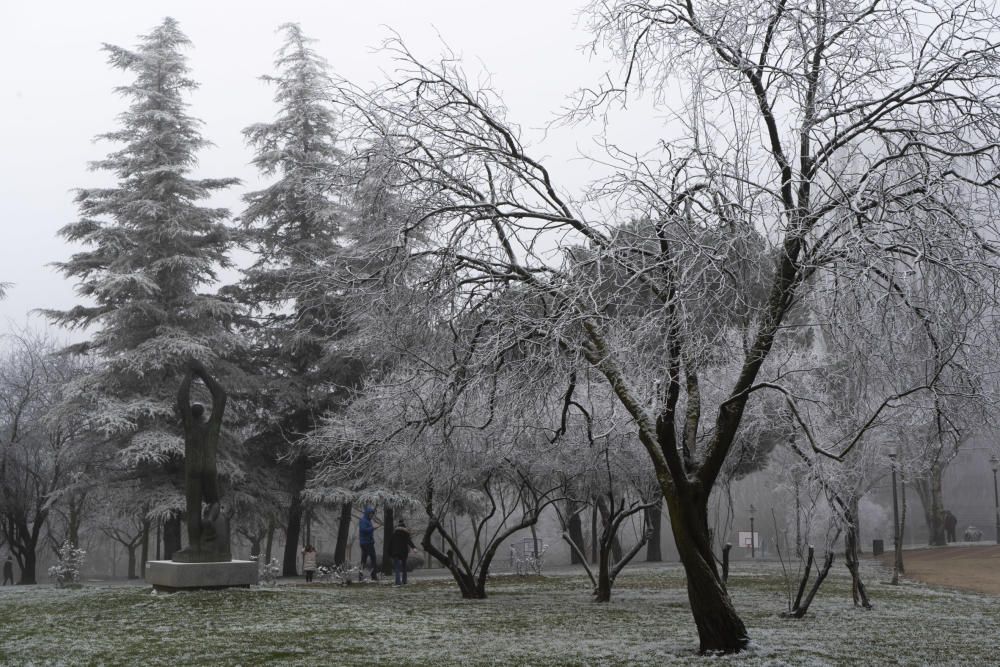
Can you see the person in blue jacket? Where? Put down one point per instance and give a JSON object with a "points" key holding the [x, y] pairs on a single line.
{"points": [[366, 537]]}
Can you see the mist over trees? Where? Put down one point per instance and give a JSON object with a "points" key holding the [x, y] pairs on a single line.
{"points": [[805, 271]]}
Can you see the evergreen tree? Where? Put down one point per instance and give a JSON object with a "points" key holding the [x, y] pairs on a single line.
{"points": [[151, 247], [295, 227], [295, 224]]}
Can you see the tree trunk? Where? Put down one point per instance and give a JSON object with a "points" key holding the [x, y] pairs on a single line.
{"points": [[466, 580], [131, 560], [720, 629], [387, 526], [858, 592], [343, 532], [171, 536], [144, 541], [23, 542], [594, 539], [28, 569], [603, 592], [930, 492], [804, 581], [289, 567], [269, 544], [616, 545], [74, 519], [654, 519], [799, 610], [575, 529]]}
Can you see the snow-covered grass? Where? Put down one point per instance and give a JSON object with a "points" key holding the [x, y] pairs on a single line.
{"points": [[526, 621]]}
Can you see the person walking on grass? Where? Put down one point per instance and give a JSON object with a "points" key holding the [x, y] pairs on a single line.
{"points": [[8, 571], [366, 538], [400, 545], [309, 562]]}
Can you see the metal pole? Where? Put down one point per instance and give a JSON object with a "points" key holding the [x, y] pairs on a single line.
{"points": [[753, 541]]}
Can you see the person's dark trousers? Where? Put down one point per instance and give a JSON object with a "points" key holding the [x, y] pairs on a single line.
{"points": [[368, 552], [309, 576], [399, 569]]}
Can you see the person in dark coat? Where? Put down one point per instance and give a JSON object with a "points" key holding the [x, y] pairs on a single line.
{"points": [[950, 523], [8, 571], [366, 538], [400, 545]]}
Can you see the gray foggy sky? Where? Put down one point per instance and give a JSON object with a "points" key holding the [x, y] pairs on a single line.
{"points": [[57, 94]]}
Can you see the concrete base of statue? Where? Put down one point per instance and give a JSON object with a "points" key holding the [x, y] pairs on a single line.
{"points": [[168, 576]]}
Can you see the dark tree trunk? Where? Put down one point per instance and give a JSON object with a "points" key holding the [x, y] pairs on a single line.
{"points": [[171, 536], [387, 527], [75, 512], [255, 541], [725, 562], [720, 629], [269, 543], [28, 569], [931, 497], [343, 532], [466, 580], [800, 609], [594, 539], [575, 529], [131, 560], [616, 545], [610, 565], [289, 567], [144, 542], [603, 592], [858, 591], [23, 542], [654, 520]]}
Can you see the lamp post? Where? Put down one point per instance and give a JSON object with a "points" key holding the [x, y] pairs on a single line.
{"points": [[753, 536], [897, 547], [995, 463]]}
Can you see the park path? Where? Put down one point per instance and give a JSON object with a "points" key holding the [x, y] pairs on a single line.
{"points": [[970, 568]]}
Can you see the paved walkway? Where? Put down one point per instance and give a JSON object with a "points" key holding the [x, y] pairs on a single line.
{"points": [[971, 567]]}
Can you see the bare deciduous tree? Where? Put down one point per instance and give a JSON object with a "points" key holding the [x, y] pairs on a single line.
{"points": [[818, 146]]}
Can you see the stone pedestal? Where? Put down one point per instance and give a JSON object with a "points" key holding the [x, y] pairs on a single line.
{"points": [[166, 575]]}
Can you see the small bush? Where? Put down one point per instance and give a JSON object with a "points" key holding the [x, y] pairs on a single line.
{"points": [[66, 572], [269, 572]]}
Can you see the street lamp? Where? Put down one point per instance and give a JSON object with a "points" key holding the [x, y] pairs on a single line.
{"points": [[995, 463], [753, 537]]}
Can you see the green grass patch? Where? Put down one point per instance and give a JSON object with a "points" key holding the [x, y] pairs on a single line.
{"points": [[526, 621]]}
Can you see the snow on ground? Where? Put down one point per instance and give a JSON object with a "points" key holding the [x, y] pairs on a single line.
{"points": [[526, 621]]}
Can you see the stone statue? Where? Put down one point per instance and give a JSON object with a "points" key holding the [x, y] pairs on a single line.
{"points": [[208, 536]]}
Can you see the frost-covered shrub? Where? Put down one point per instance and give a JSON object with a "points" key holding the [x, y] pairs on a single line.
{"points": [[67, 571], [269, 572]]}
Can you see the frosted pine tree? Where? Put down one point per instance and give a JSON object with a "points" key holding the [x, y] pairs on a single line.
{"points": [[151, 248], [295, 227], [295, 224]]}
